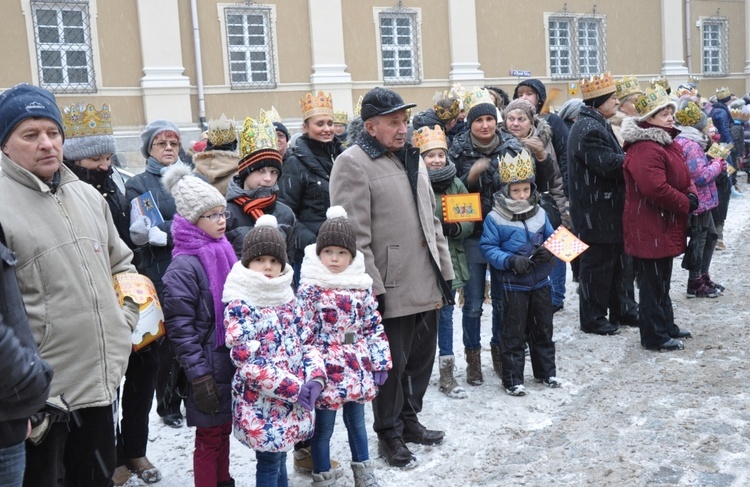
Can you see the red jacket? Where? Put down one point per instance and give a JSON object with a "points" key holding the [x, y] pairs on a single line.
{"points": [[657, 182]]}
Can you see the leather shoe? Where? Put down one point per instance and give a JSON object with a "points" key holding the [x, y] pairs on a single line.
{"points": [[682, 334], [669, 346], [174, 420], [606, 329], [417, 433], [395, 452]]}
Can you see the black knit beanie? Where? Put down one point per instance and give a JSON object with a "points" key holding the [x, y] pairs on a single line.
{"points": [[479, 110]]}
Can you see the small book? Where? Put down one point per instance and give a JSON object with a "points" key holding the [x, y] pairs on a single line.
{"points": [[146, 206], [140, 289], [564, 245], [465, 207]]}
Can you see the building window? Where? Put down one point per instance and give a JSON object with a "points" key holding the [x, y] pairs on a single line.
{"points": [[577, 45], [249, 33], [400, 46], [63, 46], [715, 42]]}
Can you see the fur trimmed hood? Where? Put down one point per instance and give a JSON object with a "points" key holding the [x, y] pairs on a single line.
{"points": [[633, 132], [256, 289], [314, 272]]}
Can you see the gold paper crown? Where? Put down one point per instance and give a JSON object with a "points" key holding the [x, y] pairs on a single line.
{"points": [[516, 169], [358, 107], [661, 81], [258, 135], [475, 97], [689, 115], [427, 139], [693, 80], [273, 115], [719, 151], [81, 120], [627, 86], [341, 117], [654, 97], [321, 104], [449, 113], [739, 114], [221, 131], [722, 93], [597, 86]]}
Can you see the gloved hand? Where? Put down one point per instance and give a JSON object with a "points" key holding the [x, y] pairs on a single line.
{"points": [[520, 264], [693, 202], [54, 411], [542, 255], [139, 230], [309, 394], [205, 394], [379, 377], [157, 237], [451, 229]]}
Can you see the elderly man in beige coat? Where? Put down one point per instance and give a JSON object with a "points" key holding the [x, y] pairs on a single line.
{"points": [[386, 191]]}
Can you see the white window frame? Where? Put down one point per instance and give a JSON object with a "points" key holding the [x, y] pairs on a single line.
{"points": [[718, 52], [269, 48], [415, 18], [580, 51]]}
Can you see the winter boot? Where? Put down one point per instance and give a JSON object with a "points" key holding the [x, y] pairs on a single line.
{"points": [[323, 479], [497, 363], [364, 474], [448, 384], [122, 477], [144, 469], [696, 288], [720, 232], [708, 282], [474, 367]]}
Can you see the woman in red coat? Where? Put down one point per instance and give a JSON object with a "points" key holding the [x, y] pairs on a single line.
{"points": [[659, 197]]}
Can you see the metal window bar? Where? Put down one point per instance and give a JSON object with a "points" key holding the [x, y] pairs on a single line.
{"points": [[399, 46], [577, 44], [249, 32], [560, 48], [715, 41], [62, 35]]}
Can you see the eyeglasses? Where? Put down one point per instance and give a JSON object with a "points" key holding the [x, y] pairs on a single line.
{"points": [[216, 217], [164, 144]]}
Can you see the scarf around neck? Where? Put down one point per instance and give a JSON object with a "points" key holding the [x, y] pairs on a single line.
{"points": [[253, 202], [515, 210], [695, 135], [217, 257], [441, 179], [487, 148], [155, 167]]}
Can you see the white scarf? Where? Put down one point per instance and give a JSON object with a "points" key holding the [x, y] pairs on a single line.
{"points": [[256, 289]]}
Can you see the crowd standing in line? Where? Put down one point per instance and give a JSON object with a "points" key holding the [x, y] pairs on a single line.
{"points": [[281, 309]]}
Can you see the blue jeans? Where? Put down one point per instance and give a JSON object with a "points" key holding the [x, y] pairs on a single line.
{"points": [[325, 419], [557, 279], [445, 330], [12, 464], [472, 310], [270, 470]]}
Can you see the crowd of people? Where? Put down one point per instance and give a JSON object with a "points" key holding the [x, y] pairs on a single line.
{"points": [[302, 276]]}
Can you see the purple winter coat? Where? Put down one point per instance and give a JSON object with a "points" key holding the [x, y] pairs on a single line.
{"points": [[189, 319], [703, 172]]}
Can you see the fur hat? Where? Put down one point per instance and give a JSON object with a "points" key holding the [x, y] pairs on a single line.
{"points": [[152, 130], [337, 231], [26, 101], [264, 239], [192, 196]]}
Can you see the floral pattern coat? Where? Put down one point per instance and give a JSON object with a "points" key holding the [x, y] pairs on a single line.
{"points": [[274, 355], [334, 305]]}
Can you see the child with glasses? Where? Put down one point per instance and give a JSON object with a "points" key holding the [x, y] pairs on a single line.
{"points": [[194, 317]]}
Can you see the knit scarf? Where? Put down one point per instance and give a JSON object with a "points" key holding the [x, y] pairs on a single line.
{"points": [[515, 210], [255, 201], [155, 167], [695, 135], [441, 179], [488, 148], [216, 256]]}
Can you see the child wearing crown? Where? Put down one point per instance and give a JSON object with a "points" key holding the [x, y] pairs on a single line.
{"points": [[512, 239]]}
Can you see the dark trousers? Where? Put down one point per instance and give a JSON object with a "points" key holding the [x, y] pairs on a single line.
{"points": [[413, 340], [605, 278], [136, 398], [167, 399], [656, 317], [528, 317], [80, 453]]}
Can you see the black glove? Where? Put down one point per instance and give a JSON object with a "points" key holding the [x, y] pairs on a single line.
{"points": [[542, 255], [205, 394], [520, 264], [54, 411], [451, 229], [693, 202]]}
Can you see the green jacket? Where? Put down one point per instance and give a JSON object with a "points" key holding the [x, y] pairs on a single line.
{"points": [[455, 244]]}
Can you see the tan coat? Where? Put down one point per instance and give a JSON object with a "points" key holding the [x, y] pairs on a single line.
{"points": [[395, 237], [217, 167]]}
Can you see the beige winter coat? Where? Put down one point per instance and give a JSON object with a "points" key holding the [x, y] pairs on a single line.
{"points": [[68, 249], [217, 167]]}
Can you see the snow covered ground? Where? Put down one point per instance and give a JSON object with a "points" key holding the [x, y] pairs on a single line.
{"points": [[625, 416]]}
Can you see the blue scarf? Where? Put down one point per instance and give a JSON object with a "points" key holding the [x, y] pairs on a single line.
{"points": [[155, 167]]}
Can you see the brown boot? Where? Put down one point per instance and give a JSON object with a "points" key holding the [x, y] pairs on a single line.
{"points": [[122, 474], [144, 469], [448, 384], [497, 363], [474, 367]]}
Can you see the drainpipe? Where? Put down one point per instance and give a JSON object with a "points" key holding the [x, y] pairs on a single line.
{"points": [[198, 66], [688, 38]]}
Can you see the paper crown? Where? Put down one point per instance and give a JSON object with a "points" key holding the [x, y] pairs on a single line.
{"points": [[221, 131], [449, 113], [722, 93], [627, 86], [654, 97], [683, 90], [476, 96], [81, 120], [258, 135], [321, 104], [719, 151], [689, 115], [341, 117], [739, 114], [273, 115], [358, 107], [516, 169], [426, 139], [693, 81], [661, 81], [597, 86]]}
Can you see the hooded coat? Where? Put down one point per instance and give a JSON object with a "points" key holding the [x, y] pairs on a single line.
{"points": [[655, 216], [216, 167]]}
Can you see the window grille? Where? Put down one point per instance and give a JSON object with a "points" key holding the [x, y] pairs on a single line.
{"points": [[400, 46], [577, 45], [715, 41], [63, 46], [249, 32]]}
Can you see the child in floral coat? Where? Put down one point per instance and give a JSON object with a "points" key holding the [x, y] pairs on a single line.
{"points": [[279, 372], [335, 295]]}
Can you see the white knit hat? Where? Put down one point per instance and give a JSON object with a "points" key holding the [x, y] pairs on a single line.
{"points": [[192, 196]]}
